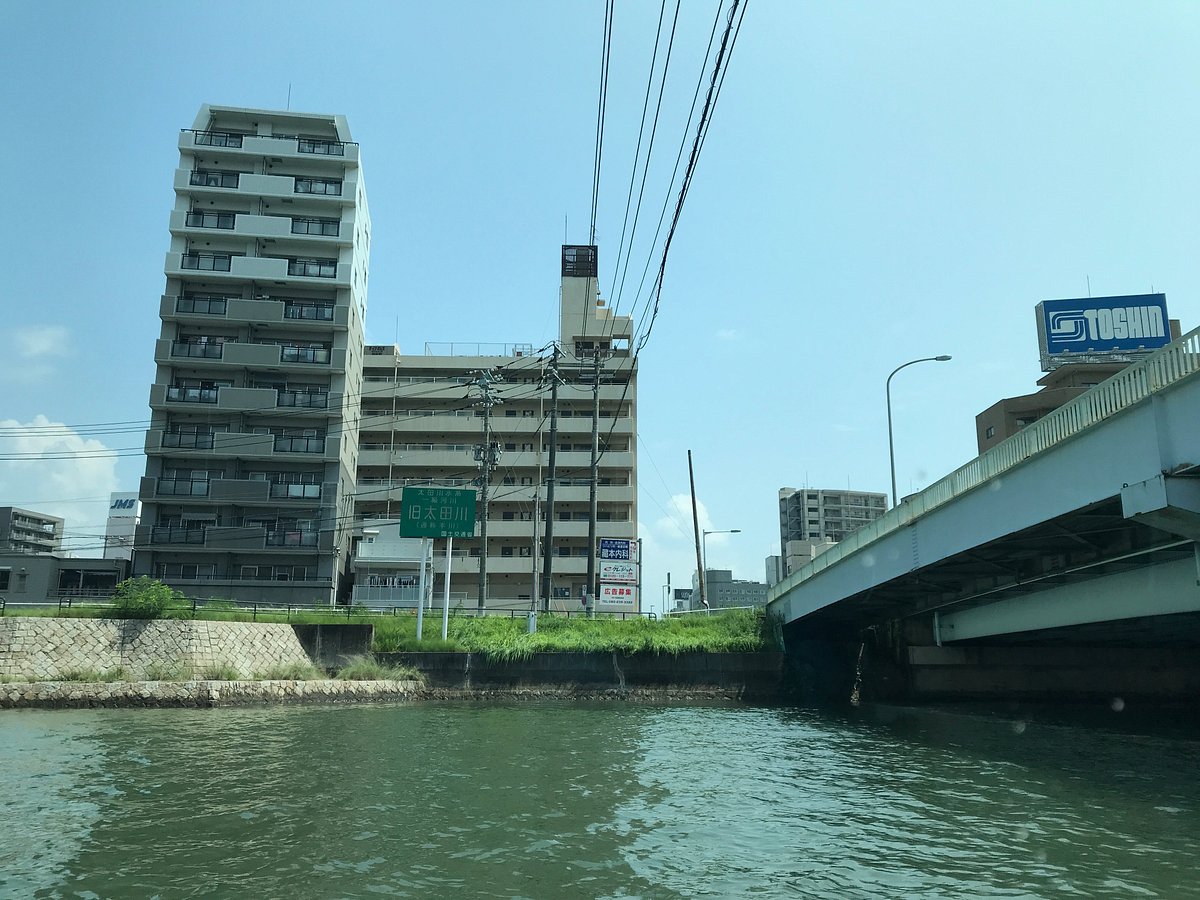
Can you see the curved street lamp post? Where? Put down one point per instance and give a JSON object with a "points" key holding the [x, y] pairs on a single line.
{"points": [[891, 447]]}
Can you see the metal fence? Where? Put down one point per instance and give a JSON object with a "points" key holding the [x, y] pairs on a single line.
{"points": [[1166, 367]]}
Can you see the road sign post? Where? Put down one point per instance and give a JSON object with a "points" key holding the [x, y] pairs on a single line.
{"points": [[431, 512]]}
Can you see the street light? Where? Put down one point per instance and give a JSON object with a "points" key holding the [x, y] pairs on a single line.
{"points": [[704, 561], [891, 448]]}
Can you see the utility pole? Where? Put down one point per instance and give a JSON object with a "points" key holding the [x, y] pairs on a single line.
{"points": [[548, 543], [487, 455], [591, 568], [696, 528]]}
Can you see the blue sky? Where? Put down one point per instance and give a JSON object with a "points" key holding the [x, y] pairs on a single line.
{"points": [[881, 181]]}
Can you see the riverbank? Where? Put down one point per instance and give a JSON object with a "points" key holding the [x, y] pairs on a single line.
{"points": [[208, 694]]}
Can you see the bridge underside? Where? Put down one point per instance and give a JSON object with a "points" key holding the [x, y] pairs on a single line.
{"points": [[1092, 604], [1058, 562]]}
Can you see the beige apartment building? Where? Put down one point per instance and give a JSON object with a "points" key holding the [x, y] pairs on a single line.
{"points": [[252, 446], [423, 421]]}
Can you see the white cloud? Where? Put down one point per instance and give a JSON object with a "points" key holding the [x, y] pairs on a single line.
{"points": [[38, 341], [48, 467], [669, 546], [729, 334]]}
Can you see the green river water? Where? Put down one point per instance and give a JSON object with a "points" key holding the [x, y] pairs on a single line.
{"points": [[592, 800]]}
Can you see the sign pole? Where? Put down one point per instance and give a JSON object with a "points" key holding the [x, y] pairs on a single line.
{"points": [[421, 589], [446, 594]]}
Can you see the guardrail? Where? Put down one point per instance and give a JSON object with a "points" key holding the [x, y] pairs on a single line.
{"points": [[1170, 365], [194, 605]]}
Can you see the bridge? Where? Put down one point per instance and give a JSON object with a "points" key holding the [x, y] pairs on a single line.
{"points": [[1062, 562]]}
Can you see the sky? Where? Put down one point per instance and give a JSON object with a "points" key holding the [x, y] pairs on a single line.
{"points": [[880, 182]]}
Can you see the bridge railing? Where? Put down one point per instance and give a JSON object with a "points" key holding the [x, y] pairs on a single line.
{"points": [[1173, 363]]}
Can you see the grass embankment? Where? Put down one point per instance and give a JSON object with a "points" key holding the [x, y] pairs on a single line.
{"points": [[501, 638]]}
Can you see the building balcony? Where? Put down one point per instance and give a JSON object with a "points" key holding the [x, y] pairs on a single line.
{"points": [[250, 146], [371, 455], [283, 357], [232, 539], [302, 230], [220, 266], [236, 490], [306, 315]]}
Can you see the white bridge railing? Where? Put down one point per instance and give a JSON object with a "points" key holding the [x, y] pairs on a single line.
{"points": [[1168, 366]]}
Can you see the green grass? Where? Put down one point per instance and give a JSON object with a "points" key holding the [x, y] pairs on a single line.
{"points": [[92, 676], [291, 672], [366, 669], [503, 638]]}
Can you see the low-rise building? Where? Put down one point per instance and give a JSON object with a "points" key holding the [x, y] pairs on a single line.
{"points": [[26, 531]]}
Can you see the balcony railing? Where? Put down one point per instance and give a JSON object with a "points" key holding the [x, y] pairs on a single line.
{"points": [[299, 444], [326, 227], [318, 186], [192, 395], [209, 178], [292, 538], [296, 491], [207, 262], [321, 148], [187, 440], [210, 306], [289, 353], [210, 220], [306, 399], [313, 268], [217, 139], [179, 487], [317, 313], [196, 349], [168, 534]]}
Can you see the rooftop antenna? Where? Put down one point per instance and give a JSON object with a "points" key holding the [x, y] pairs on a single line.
{"points": [[564, 228], [289, 103], [1089, 281]]}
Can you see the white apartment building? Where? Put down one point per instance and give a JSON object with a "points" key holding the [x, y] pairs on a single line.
{"points": [[253, 447], [422, 425], [813, 519]]}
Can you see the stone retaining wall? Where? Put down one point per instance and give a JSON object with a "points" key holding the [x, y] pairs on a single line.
{"points": [[47, 648], [68, 694]]}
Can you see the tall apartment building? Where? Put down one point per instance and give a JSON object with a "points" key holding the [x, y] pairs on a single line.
{"points": [[422, 425], [25, 531], [811, 519], [253, 447]]}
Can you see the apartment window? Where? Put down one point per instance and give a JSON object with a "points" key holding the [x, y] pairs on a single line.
{"points": [[211, 178], [304, 353], [198, 347], [186, 571], [327, 227], [192, 393], [209, 219], [329, 187], [991, 432], [218, 139], [526, 551], [205, 304], [506, 551], [320, 147], [207, 262], [5, 574], [190, 437], [316, 310], [508, 516], [313, 268]]}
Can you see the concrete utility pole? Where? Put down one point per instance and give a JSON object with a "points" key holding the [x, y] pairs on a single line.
{"points": [[487, 455], [592, 587], [696, 527], [548, 543]]}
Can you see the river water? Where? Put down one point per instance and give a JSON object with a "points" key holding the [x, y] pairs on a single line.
{"points": [[592, 800]]}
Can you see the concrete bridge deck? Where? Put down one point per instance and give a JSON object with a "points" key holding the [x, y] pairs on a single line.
{"points": [[1080, 530]]}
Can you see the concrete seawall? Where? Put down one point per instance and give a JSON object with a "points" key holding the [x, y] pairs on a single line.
{"points": [[736, 674], [68, 694]]}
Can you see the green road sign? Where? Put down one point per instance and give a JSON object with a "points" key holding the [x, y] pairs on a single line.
{"points": [[437, 512]]}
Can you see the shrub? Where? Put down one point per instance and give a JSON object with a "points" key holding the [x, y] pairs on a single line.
{"points": [[292, 672], [221, 672], [145, 598]]}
